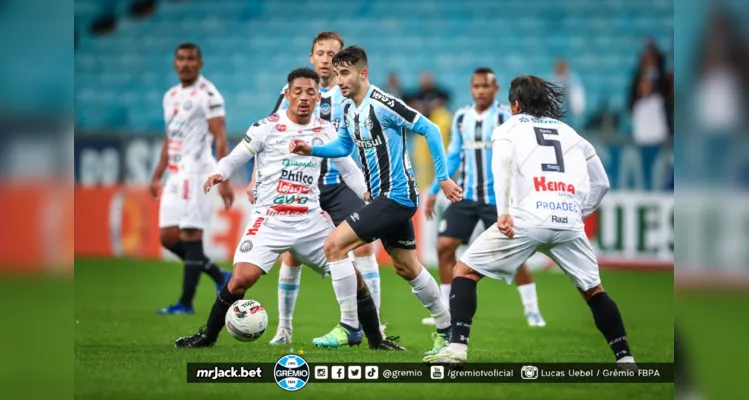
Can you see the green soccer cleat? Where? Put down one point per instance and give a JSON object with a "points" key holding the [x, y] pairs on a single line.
{"points": [[338, 337], [441, 340]]}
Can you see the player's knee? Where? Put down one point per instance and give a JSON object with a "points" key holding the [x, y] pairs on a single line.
{"points": [[461, 270], [587, 294], [446, 250], [169, 237], [191, 234], [243, 277], [364, 250], [289, 260], [334, 250]]}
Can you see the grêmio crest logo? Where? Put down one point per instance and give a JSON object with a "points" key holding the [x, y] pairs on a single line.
{"points": [[306, 164], [291, 373]]}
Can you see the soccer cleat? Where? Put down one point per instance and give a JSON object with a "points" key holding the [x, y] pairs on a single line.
{"points": [[198, 340], [388, 343], [441, 340], [227, 277], [428, 321], [339, 336], [176, 309], [627, 363], [283, 336], [535, 319], [446, 356]]}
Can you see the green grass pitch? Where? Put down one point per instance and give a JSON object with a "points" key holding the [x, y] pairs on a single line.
{"points": [[124, 351]]}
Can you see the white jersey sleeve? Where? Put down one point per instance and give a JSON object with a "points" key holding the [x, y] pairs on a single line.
{"points": [[599, 182], [548, 163], [251, 145]]}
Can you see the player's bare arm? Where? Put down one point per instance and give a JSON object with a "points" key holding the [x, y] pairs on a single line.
{"points": [[158, 174], [217, 127], [251, 187], [454, 151]]}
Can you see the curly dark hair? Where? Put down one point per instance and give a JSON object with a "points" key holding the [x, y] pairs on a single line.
{"points": [[537, 97]]}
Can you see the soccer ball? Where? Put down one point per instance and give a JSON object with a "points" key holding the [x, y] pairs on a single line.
{"points": [[246, 320]]}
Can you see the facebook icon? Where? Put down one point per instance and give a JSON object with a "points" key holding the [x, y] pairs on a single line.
{"points": [[337, 372]]}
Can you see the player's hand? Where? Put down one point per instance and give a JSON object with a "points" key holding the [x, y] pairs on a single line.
{"points": [[367, 197], [251, 192], [506, 225], [212, 180], [226, 193], [429, 207], [155, 188], [300, 147], [453, 192]]}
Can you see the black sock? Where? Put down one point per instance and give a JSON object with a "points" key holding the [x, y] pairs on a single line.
{"points": [[462, 308], [609, 322], [193, 269], [210, 268], [216, 319], [178, 249], [367, 313]]}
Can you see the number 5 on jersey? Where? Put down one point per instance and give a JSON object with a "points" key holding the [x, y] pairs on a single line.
{"points": [[543, 141]]}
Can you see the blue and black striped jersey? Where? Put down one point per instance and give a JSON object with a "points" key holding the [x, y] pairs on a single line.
{"points": [[377, 128], [471, 147]]}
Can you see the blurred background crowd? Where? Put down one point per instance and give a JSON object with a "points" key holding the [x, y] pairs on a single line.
{"points": [[614, 59]]}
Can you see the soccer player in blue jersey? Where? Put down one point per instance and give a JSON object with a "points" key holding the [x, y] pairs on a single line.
{"points": [[375, 123], [337, 199], [471, 147]]}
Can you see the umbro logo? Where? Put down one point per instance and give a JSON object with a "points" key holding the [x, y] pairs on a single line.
{"points": [[355, 217]]}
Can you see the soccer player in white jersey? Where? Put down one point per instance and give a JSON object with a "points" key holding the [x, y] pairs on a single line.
{"points": [[547, 179], [287, 214], [337, 199], [195, 118], [470, 146]]}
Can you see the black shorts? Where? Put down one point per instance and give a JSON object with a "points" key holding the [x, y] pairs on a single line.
{"points": [[386, 220], [339, 201], [460, 219]]}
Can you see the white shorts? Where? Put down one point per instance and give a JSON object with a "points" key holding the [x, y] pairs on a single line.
{"points": [[183, 202], [495, 255], [266, 237]]}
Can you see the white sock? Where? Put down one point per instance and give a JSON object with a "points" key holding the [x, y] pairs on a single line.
{"points": [[426, 289], [288, 288], [445, 290], [528, 296], [370, 271], [344, 286]]}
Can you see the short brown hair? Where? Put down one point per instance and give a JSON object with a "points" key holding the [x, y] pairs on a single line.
{"points": [[326, 35]]}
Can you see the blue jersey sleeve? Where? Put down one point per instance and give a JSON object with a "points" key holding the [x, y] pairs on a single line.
{"points": [[454, 150], [432, 133], [341, 147]]}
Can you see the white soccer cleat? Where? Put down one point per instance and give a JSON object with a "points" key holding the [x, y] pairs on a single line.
{"points": [[535, 319], [627, 363], [447, 356], [283, 336], [428, 321]]}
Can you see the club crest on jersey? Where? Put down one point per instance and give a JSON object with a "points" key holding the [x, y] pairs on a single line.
{"points": [[368, 123], [188, 105], [281, 128], [325, 109], [317, 141], [273, 117]]}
